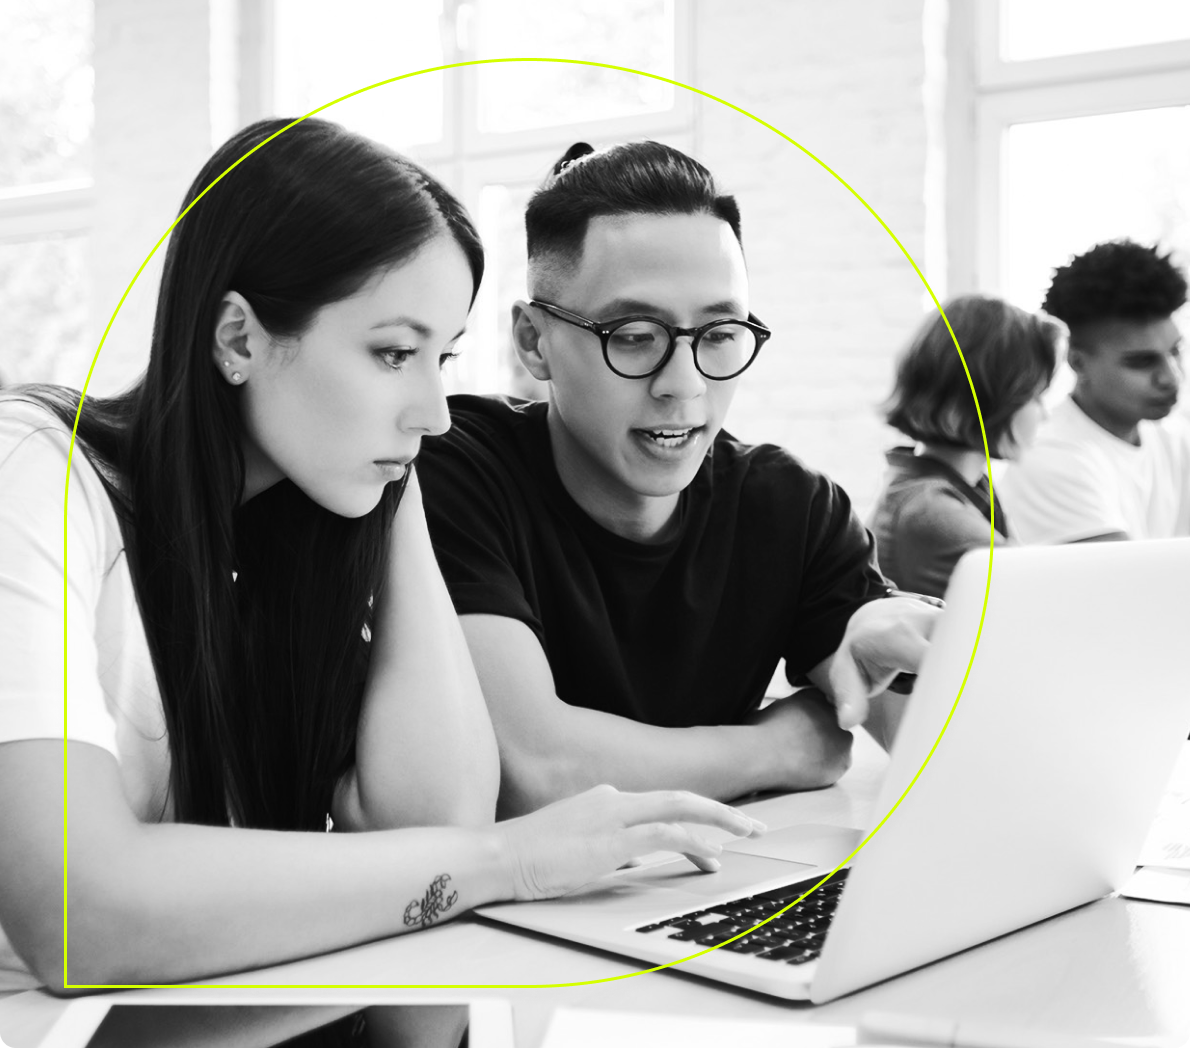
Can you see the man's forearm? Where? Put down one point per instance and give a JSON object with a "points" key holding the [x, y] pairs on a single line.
{"points": [[550, 749], [580, 748]]}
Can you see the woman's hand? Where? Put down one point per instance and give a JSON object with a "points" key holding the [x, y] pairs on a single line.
{"points": [[571, 842]]}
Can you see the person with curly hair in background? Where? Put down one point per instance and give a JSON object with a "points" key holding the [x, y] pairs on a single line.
{"points": [[1112, 462]]}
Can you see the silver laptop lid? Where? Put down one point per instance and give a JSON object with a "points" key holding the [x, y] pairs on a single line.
{"points": [[1038, 797]]}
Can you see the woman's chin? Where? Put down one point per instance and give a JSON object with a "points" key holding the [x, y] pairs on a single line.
{"points": [[352, 504]]}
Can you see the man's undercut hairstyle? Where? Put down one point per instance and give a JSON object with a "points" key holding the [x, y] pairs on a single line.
{"points": [[1011, 355], [1116, 280], [636, 178]]}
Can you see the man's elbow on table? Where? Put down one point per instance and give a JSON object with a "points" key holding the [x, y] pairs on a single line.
{"points": [[799, 744]]}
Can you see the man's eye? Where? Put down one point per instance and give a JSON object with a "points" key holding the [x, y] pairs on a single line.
{"points": [[394, 357], [721, 336]]}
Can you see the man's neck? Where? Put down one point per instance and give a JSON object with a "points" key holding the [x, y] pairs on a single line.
{"points": [[641, 518], [1126, 429]]}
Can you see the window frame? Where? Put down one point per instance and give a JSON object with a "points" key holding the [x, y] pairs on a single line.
{"points": [[988, 95], [43, 209]]}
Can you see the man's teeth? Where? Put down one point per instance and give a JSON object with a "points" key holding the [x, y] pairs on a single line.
{"points": [[669, 438]]}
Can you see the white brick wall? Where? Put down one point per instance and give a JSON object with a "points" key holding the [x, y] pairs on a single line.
{"points": [[844, 79]]}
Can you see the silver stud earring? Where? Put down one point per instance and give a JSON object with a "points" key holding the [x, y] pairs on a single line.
{"points": [[226, 363], [235, 376]]}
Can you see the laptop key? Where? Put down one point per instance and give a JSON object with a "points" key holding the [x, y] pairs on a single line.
{"points": [[688, 934], [747, 945], [803, 957], [782, 953], [727, 928]]}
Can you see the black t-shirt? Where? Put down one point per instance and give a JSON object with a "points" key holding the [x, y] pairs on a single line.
{"points": [[767, 561]]}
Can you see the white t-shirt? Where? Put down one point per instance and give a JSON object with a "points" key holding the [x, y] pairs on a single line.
{"points": [[113, 700], [1079, 481]]}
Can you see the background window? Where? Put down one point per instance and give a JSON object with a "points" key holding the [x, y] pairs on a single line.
{"points": [[519, 96], [43, 306], [501, 216], [45, 91], [1043, 28], [45, 166], [1069, 184], [325, 51], [490, 132]]}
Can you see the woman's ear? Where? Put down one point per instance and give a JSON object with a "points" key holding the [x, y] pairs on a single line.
{"points": [[239, 338], [527, 334]]}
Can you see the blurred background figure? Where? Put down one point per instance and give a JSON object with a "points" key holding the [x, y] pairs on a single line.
{"points": [[936, 503], [1113, 462]]}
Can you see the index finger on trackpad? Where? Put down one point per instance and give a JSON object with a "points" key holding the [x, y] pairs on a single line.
{"points": [[739, 873], [813, 843]]}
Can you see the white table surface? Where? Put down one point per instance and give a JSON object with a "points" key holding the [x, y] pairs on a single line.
{"points": [[1115, 968]]}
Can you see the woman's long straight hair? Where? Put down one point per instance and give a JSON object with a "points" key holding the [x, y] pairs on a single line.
{"points": [[256, 615]]}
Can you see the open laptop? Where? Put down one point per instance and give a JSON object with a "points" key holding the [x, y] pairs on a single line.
{"points": [[1037, 799]]}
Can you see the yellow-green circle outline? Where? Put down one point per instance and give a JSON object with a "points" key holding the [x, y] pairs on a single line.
{"points": [[503, 986]]}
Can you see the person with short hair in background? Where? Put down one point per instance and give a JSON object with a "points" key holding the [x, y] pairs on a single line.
{"points": [[1112, 462], [629, 575], [936, 502]]}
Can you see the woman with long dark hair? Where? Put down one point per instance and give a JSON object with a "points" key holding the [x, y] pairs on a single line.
{"points": [[257, 635]]}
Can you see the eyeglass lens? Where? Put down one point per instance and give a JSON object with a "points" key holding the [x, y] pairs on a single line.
{"points": [[638, 347]]}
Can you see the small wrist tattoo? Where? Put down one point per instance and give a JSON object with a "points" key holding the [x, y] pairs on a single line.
{"points": [[423, 912]]}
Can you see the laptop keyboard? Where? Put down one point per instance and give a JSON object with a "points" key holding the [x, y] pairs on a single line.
{"points": [[794, 938]]}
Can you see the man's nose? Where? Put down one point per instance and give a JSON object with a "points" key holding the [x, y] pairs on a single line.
{"points": [[1170, 374], [680, 378]]}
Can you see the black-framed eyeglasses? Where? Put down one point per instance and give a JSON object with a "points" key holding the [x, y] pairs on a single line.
{"points": [[640, 346]]}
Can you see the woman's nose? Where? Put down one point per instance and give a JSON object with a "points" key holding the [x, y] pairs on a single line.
{"points": [[427, 413]]}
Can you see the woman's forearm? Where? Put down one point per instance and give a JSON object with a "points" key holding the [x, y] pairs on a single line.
{"points": [[170, 902], [166, 903], [294, 895], [426, 753]]}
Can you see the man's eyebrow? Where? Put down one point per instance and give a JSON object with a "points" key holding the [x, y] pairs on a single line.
{"points": [[622, 307], [728, 306], [424, 330]]}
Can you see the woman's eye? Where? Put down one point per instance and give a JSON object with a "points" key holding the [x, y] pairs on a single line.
{"points": [[444, 357], [395, 357]]}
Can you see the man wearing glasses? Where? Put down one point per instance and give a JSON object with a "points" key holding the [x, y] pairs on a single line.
{"points": [[628, 575]]}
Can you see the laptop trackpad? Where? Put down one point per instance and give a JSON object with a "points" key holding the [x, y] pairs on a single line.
{"points": [[739, 874], [807, 842]]}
